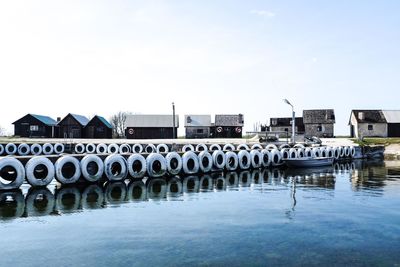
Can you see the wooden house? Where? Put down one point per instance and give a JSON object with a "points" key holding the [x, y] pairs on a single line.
{"points": [[151, 126], [98, 128], [72, 126], [197, 126], [319, 122], [227, 126], [32, 125]]}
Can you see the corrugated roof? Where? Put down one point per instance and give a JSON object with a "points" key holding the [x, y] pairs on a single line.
{"points": [[151, 121], [369, 116], [229, 120], [319, 116], [392, 116], [197, 120], [45, 119], [81, 119], [103, 120]]}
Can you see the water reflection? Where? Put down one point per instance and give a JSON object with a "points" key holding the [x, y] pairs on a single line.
{"points": [[362, 175]]}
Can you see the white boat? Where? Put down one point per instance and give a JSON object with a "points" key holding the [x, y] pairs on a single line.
{"points": [[309, 162]]}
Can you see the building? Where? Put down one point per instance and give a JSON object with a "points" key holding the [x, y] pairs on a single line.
{"points": [[98, 128], [72, 126], [197, 126], [374, 123], [151, 126], [319, 122], [32, 125], [227, 126], [283, 126]]}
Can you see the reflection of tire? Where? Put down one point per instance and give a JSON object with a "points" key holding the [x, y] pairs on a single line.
{"points": [[156, 188], [92, 197], [39, 171], [174, 163], [232, 179], [68, 170], [214, 147], [90, 148], [48, 149], [242, 147], [228, 147], [11, 149], [150, 148], [205, 161], [136, 191], [156, 165], [256, 177], [218, 159], [220, 184], [12, 204], [124, 148], [24, 149], [17, 175], [206, 183], [201, 147], [79, 149], [92, 168], [187, 147], [115, 167], [190, 184], [162, 148], [244, 159], [245, 179], [36, 149], [58, 148], [39, 202], [266, 158], [174, 187], [115, 192], [137, 148], [231, 161], [68, 199], [190, 163], [1, 149], [256, 159], [101, 149], [136, 165], [113, 149]]}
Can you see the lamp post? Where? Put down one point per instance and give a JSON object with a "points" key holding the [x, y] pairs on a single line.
{"points": [[293, 119], [173, 120]]}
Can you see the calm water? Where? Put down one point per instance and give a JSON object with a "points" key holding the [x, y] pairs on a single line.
{"points": [[349, 215]]}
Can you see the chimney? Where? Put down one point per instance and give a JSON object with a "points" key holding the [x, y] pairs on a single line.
{"points": [[361, 116], [58, 119]]}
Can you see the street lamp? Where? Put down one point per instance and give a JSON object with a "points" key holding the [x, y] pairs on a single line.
{"points": [[293, 119], [173, 120]]}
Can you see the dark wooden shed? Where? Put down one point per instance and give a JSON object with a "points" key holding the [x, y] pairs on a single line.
{"points": [[98, 128], [32, 125], [151, 126], [72, 126], [227, 126]]}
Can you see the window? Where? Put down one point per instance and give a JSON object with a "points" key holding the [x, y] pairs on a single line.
{"points": [[370, 127], [274, 122], [34, 128], [200, 131], [319, 128]]}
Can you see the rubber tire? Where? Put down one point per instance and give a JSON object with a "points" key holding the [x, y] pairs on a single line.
{"points": [[216, 155], [108, 163], [266, 158], [214, 147], [150, 148], [153, 157], [137, 148], [20, 171], [271, 147], [59, 148], [202, 155], [131, 160], [256, 159], [256, 146], [30, 171], [124, 149], [241, 155], [231, 156], [79, 148], [188, 147], [84, 168], [284, 153], [36, 149], [242, 147], [90, 148], [27, 149], [228, 147], [276, 154], [113, 149], [60, 164], [169, 157], [2, 149], [201, 147], [190, 155], [47, 149], [101, 149], [163, 147], [308, 152], [11, 149]]}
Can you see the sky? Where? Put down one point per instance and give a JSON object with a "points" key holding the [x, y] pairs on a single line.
{"points": [[209, 57]]}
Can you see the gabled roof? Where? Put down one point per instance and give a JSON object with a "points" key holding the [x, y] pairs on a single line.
{"points": [[229, 120], [197, 120], [369, 116], [318, 116], [81, 119], [286, 121], [103, 120], [151, 121], [44, 119], [392, 116]]}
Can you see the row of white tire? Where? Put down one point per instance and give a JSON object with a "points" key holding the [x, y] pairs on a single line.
{"points": [[40, 171], [34, 149], [326, 152]]}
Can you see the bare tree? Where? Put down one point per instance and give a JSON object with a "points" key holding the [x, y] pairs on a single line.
{"points": [[118, 123]]}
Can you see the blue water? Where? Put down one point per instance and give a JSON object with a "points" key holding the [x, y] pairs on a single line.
{"points": [[349, 216]]}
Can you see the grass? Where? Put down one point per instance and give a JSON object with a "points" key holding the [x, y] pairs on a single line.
{"points": [[377, 141]]}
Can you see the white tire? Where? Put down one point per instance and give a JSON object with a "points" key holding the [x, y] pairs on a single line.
{"points": [[228, 147], [90, 148], [256, 146], [136, 166], [190, 163], [284, 146], [329, 152], [68, 199], [39, 202], [214, 147], [308, 152], [187, 147], [231, 161], [79, 148], [12, 171], [293, 153], [36, 149], [347, 151], [352, 151], [1, 149], [88, 197], [256, 159], [244, 160], [323, 152], [115, 192], [276, 157], [342, 152], [205, 161], [124, 148], [298, 146], [242, 147], [92, 168], [58, 148], [162, 148], [24, 149], [68, 170], [174, 163], [112, 149], [11, 149], [150, 148], [101, 149], [266, 158], [39, 171], [218, 159], [271, 147], [156, 165], [48, 149], [301, 152], [201, 147], [285, 153], [115, 167], [336, 152], [137, 148], [316, 152]]}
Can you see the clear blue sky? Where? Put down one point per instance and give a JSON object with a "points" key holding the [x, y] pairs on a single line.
{"points": [[99, 57]]}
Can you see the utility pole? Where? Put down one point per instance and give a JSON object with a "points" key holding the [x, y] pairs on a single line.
{"points": [[293, 120], [173, 120]]}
